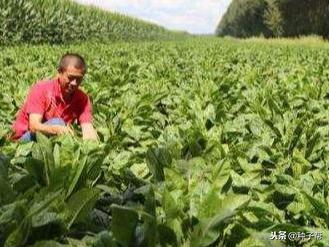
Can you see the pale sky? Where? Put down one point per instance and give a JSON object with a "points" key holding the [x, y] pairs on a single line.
{"points": [[194, 16]]}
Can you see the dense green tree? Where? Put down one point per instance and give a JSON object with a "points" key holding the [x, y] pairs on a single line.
{"points": [[287, 18], [273, 19], [305, 17], [243, 18]]}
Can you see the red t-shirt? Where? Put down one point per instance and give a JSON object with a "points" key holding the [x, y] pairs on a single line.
{"points": [[45, 98]]}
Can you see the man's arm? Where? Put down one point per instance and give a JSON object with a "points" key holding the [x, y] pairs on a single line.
{"points": [[35, 124], [88, 132], [85, 120], [36, 103]]}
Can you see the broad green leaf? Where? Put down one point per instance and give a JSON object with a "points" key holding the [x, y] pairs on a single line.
{"points": [[157, 159], [140, 170], [79, 205], [7, 194], [48, 243], [104, 239], [39, 207], [45, 218], [213, 213], [260, 240], [24, 149], [45, 149], [320, 208], [146, 234], [78, 172], [20, 235], [124, 223], [166, 236], [57, 158]]}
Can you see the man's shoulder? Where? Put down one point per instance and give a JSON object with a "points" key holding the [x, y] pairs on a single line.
{"points": [[81, 94], [44, 84], [81, 99]]}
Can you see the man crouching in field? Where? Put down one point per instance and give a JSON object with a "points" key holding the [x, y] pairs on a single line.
{"points": [[53, 105]]}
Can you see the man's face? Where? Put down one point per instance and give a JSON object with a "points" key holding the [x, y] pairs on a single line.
{"points": [[70, 80]]}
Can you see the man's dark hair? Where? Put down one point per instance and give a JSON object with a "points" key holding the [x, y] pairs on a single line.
{"points": [[72, 59]]}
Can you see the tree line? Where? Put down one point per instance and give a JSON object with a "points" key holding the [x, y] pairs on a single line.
{"points": [[275, 18]]}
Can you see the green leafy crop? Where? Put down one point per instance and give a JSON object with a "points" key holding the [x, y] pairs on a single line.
{"points": [[206, 142]]}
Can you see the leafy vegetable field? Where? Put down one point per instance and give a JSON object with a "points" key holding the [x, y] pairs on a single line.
{"points": [[204, 142]]}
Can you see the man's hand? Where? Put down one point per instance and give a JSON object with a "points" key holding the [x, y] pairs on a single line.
{"points": [[60, 130], [88, 132], [36, 125]]}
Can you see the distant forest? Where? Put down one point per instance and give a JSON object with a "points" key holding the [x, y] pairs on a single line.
{"points": [[275, 18]]}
